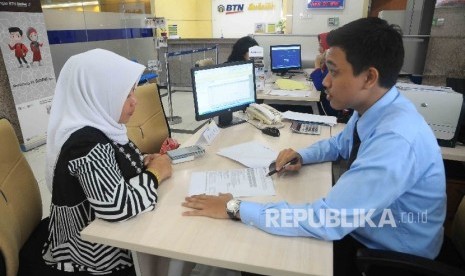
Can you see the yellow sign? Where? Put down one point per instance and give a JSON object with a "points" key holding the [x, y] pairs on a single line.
{"points": [[261, 6]]}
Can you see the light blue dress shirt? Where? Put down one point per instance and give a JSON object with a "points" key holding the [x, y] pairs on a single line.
{"points": [[393, 195]]}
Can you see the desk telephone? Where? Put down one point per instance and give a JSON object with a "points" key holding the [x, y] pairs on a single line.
{"points": [[264, 113]]}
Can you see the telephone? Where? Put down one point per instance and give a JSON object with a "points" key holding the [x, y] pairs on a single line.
{"points": [[264, 113]]}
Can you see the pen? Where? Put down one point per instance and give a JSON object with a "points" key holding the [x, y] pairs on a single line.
{"points": [[293, 161]]}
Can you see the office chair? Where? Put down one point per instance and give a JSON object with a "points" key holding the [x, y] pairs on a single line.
{"points": [[148, 127], [23, 232], [450, 262]]}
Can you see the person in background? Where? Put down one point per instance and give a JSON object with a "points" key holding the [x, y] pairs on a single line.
{"points": [[93, 169], [317, 76], [240, 50], [321, 70], [395, 163]]}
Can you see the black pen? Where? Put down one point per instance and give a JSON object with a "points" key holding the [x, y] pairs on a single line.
{"points": [[292, 162]]}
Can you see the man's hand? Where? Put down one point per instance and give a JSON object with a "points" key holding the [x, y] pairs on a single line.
{"points": [[207, 205], [284, 157]]}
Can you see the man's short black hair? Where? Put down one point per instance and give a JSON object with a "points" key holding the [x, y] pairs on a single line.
{"points": [[371, 42], [14, 30]]}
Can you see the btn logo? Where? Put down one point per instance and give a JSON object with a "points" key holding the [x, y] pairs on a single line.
{"points": [[231, 9]]}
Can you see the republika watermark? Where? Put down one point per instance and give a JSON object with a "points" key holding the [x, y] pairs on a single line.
{"points": [[340, 218]]}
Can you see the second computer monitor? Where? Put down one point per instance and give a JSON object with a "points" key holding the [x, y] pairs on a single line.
{"points": [[222, 89], [285, 57]]}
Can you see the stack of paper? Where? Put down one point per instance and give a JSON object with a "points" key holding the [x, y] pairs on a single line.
{"points": [[238, 182], [251, 154], [290, 93], [327, 120], [285, 84]]}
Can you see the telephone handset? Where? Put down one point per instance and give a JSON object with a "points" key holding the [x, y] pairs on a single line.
{"points": [[264, 113]]}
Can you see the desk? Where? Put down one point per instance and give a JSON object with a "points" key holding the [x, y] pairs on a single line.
{"points": [[226, 243], [455, 154], [312, 100]]}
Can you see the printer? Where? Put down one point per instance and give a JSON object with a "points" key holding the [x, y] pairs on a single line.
{"points": [[440, 106]]}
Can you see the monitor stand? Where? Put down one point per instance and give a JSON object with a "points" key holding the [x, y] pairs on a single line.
{"points": [[286, 75], [227, 119]]}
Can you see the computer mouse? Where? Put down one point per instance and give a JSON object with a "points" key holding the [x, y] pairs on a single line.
{"points": [[272, 131]]}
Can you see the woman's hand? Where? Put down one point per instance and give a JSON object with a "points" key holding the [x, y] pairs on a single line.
{"points": [[286, 156], [149, 157], [320, 60], [207, 205], [162, 165]]}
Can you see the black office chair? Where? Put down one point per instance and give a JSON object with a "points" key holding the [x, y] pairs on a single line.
{"points": [[450, 262]]}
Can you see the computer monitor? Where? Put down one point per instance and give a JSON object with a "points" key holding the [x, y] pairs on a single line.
{"points": [[285, 57], [221, 89]]}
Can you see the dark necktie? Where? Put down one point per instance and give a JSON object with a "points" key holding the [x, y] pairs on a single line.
{"points": [[355, 145]]}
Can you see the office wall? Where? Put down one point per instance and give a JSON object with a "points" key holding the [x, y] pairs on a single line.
{"points": [[307, 24], [243, 16], [311, 22], [73, 32], [445, 56], [192, 17]]}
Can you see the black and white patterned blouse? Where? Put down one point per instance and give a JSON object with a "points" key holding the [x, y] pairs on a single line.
{"points": [[94, 179]]}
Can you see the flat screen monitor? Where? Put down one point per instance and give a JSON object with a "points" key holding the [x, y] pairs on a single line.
{"points": [[285, 57], [221, 89]]}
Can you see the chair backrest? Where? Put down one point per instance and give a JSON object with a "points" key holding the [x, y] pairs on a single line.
{"points": [[148, 127], [458, 229], [20, 202]]}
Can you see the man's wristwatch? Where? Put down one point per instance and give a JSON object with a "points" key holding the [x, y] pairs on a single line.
{"points": [[232, 208]]}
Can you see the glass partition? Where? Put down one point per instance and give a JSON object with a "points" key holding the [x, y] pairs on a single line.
{"points": [[119, 26]]}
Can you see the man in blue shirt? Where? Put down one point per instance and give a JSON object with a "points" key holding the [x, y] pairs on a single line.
{"points": [[395, 164]]}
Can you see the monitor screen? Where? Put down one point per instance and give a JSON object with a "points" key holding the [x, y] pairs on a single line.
{"points": [[285, 58], [222, 89]]}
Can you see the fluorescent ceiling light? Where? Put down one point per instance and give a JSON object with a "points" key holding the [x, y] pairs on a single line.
{"points": [[68, 5]]}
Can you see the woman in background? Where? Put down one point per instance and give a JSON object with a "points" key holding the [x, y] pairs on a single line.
{"points": [[317, 77], [240, 50], [94, 169]]}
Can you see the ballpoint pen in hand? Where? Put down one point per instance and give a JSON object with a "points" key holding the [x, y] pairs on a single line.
{"points": [[292, 162]]}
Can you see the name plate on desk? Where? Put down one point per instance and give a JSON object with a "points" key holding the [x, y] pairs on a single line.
{"points": [[209, 134]]}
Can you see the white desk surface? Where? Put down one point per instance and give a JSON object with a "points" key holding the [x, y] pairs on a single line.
{"points": [[456, 154], [226, 243], [314, 94]]}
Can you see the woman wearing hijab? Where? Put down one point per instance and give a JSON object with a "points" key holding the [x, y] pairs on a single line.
{"points": [[320, 73], [240, 50], [317, 77], [93, 169]]}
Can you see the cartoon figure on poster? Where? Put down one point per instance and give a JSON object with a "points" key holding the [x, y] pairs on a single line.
{"points": [[35, 45], [16, 36]]}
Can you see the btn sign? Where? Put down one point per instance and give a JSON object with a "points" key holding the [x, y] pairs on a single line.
{"points": [[231, 9]]}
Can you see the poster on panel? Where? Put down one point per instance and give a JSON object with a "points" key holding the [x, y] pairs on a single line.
{"points": [[28, 62]]}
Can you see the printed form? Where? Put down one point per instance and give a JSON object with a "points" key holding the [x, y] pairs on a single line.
{"points": [[238, 182]]}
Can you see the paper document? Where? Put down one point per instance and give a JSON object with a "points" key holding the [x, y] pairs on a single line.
{"points": [[251, 154], [290, 93], [291, 85], [297, 116], [238, 182]]}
